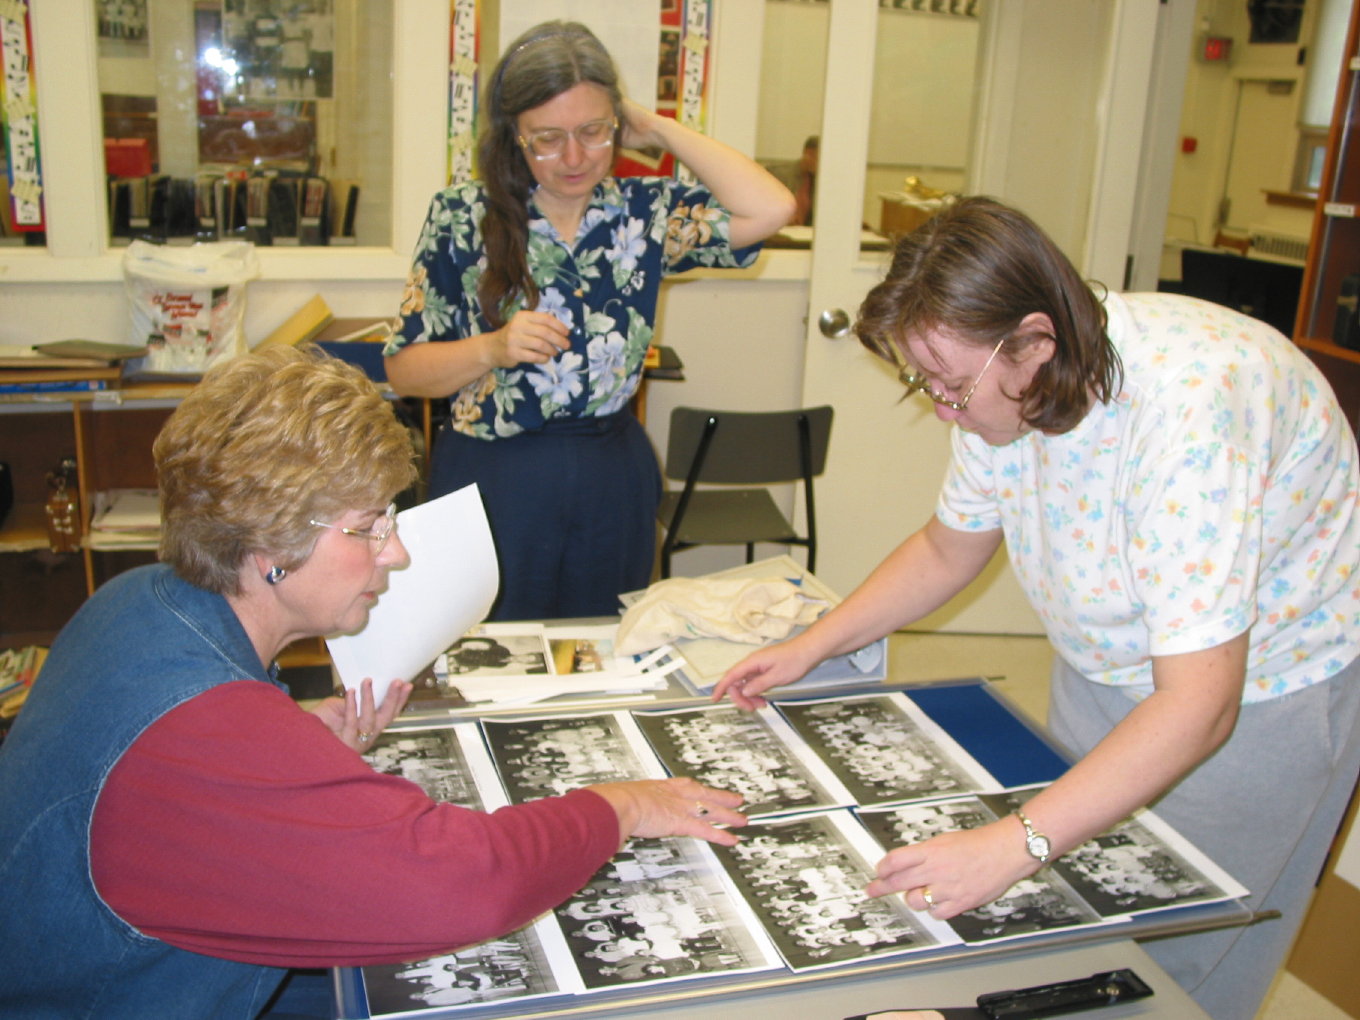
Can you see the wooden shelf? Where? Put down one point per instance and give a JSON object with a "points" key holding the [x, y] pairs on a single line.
{"points": [[1334, 247], [25, 530], [1292, 199]]}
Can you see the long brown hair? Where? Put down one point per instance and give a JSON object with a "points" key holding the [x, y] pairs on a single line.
{"points": [[540, 65], [976, 270]]}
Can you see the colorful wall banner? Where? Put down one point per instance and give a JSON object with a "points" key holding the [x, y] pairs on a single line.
{"points": [[19, 109], [464, 47]]}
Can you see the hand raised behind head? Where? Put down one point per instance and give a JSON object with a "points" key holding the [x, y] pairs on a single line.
{"points": [[673, 807], [638, 126]]}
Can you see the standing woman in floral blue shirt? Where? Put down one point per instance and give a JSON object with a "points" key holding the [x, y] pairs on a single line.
{"points": [[544, 274]]}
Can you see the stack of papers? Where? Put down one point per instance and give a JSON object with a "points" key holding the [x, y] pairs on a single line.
{"points": [[512, 664], [125, 519]]}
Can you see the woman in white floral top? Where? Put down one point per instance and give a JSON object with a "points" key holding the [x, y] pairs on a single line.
{"points": [[544, 274], [1176, 488]]}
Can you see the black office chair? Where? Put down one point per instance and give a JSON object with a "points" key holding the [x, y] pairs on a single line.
{"points": [[740, 448]]}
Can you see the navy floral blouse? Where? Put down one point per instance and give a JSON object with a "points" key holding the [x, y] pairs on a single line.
{"points": [[635, 231]]}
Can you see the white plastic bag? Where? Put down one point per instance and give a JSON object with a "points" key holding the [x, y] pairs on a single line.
{"points": [[188, 303]]}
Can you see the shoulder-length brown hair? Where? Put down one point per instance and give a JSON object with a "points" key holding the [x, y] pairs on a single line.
{"points": [[540, 65], [975, 271]]}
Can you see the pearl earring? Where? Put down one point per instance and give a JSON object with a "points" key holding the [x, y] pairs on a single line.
{"points": [[276, 574]]}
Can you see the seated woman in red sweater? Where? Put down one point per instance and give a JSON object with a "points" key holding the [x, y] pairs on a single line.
{"points": [[176, 833]]}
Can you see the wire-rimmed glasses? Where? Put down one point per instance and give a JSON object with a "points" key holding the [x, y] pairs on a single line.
{"points": [[549, 143], [378, 532], [919, 382]]}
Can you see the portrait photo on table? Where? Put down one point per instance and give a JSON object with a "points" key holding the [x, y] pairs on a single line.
{"points": [[490, 650]]}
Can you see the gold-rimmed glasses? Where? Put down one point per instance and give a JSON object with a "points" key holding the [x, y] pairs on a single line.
{"points": [[916, 381], [550, 143], [378, 532]]}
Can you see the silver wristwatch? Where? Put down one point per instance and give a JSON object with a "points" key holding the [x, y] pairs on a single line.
{"points": [[1035, 842]]}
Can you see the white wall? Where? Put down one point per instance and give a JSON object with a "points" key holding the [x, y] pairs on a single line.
{"points": [[1228, 101]]}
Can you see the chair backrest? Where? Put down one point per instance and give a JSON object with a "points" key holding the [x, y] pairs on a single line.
{"points": [[746, 447]]}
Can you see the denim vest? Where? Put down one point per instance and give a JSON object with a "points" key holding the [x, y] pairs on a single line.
{"points": [[144, 643]]}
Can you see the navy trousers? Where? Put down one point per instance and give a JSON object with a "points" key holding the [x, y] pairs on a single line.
{"points": [[572, 509]]}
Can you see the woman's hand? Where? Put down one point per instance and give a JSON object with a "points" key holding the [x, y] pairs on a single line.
{"points": [[534, 337], [354, 719], [759, 204], [956, 871], [639, 127], [673, 807], [759, 672]]}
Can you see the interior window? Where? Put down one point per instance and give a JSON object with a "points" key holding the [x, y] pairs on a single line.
{"points": [[925, 70], [264, 120]]}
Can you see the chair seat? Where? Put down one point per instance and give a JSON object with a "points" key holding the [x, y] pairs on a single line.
{"points": [[727, 517], [720, 456]]}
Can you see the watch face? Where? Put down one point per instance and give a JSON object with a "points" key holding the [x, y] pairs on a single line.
{"points": [[1038, 846]]}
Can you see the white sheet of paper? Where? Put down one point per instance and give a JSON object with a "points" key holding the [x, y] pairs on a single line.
{"points": [[448, 587]]}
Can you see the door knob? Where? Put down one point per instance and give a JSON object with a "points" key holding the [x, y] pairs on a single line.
{"points": [[834, 323]]}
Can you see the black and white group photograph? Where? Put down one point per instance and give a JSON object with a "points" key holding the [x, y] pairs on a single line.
{"points": [[661, 910], [1040, 903], [1103, 881], [512, 967], [805, 877], [756, 754], [1137, 866], [553, 755], [448, 762], [885, 749]]}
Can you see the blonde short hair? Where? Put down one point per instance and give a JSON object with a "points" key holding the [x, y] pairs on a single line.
{"points": [[263, 445]]}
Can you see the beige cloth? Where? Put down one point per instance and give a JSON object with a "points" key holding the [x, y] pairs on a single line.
{"points": [[746, 610]]}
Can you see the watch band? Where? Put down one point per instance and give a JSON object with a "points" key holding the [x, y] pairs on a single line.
{"points": [[1036, 843]]}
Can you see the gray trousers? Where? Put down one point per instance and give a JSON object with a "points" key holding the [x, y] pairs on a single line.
{"points": [[1265, 807]]}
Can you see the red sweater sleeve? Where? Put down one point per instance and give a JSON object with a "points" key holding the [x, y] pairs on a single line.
{"points": [[238, 826]]}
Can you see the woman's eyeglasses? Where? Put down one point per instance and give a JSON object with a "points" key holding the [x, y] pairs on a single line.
{"points": [[378, 532], [919, 382], [552, 142]]}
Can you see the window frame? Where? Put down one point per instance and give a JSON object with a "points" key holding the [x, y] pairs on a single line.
{"points": [[65, 60]]}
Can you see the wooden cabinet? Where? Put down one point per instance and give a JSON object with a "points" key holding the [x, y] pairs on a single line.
{"points": [[110, 434], [110, 440], [1327, 326]]}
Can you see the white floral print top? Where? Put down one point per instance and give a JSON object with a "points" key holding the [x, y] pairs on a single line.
{"points": [[604, 288], [1216, 493]]}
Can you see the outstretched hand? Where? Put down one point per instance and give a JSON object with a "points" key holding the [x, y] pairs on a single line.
{"points": [[759, 672], [355, 720], [956, 871], [673, 807]]}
